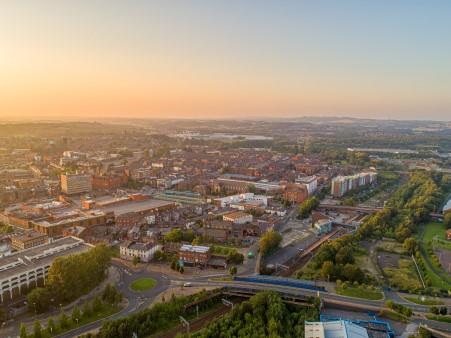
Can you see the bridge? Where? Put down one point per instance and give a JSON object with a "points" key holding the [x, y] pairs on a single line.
{"points": [[364, 210]]}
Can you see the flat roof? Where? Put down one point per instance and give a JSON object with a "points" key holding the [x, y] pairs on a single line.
{"points": [[136, 206], [194, 248], [41, 255], [237, 214]]}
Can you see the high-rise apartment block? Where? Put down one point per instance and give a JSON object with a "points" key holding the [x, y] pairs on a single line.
{"points": [[342, 184]]}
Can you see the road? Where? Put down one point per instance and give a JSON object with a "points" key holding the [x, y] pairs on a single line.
{"points": [[137, 301]]}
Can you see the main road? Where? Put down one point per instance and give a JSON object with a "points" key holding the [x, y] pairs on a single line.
{"points": [[142, 300]]}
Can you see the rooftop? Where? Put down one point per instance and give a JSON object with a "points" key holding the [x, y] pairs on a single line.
{"points": [[194, 248], [41, 255]]}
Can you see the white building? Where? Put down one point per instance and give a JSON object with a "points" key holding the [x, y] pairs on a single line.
{"points": [[29, 268], [334, 329], [144, 251], [248, 197], [311, 182], [238, 217]]}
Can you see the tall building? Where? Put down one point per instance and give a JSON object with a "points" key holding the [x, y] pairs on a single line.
{"points": [[76, 183], [342, 184]]}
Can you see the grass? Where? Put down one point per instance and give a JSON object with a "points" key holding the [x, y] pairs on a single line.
{"points": [[393, 316], [360, 293], [222, 279], [444, 319], [143, 284], [106, 311], [389, 246], [417, 300], [437, 279], [405, 276], [433, 229], [436, 230]]}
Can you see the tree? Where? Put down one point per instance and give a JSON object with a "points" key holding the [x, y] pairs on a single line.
{"points": [[175, 235], [307, 206], [90, 268], [443, 310], [23, 331], [136, 260], [37, 330], [63, 320], [344, 255], [447, 219], [96, 304], [233, 270], [328, 270], [86, 310], [111, 295], [352, 273], [76, 315], [434, 310], [410, 244], [38, 300], [269, 241], [234, 257], [50, 325]]}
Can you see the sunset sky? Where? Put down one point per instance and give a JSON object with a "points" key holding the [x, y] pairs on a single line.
{"points": [[233, 59]]}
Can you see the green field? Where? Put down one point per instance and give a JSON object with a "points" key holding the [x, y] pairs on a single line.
{"points": [[143, 284], [405, 276], [360, 293], [438, 278], [433, 229]]}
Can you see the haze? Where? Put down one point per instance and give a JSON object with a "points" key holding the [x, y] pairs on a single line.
{"points": [[225, 59]]}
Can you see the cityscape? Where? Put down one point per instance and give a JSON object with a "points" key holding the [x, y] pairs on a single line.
{"points": [[204, 169]]}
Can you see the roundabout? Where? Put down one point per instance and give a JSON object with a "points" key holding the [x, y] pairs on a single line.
{"points": [[142, 284]]}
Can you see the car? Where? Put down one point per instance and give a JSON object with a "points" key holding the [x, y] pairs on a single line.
{"points": [[187, 285]]}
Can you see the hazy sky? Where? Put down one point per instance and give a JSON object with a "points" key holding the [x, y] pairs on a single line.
{"points": [[383, 59]]}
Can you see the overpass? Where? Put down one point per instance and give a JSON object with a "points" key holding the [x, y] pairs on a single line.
{"points": [[347, 208], [364, 210]]}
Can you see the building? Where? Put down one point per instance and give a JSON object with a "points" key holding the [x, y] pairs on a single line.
{"points": [[55, 224], [129, 220], [323, 226], [109, 182], [29, 240], [334, 329], [311, 182], [295, 193], [75, 183], [144, 251], [248, 197], [194, 254], [237, 217], [23, 270], [343, 184]]}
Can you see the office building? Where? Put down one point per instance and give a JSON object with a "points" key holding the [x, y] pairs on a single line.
{"points": [[76, 183]]}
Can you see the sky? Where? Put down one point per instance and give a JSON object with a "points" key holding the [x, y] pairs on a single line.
{"points": [[225, 59]]}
